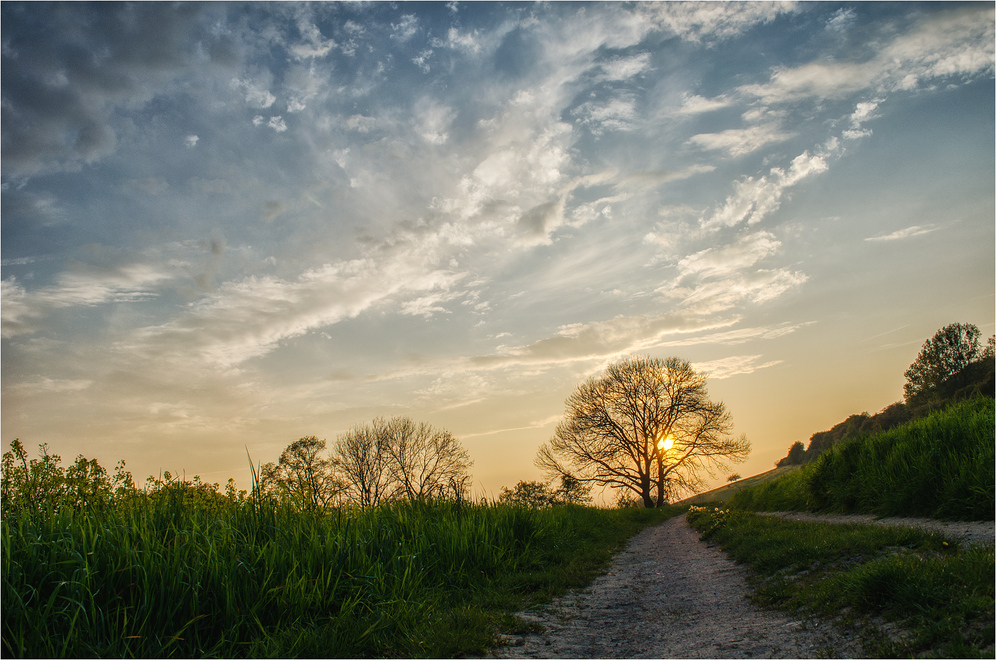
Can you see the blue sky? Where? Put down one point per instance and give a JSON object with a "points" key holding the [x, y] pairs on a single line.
{"points": [[232, 225]]}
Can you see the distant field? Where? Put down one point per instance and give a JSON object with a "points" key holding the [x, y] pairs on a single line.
{"points": [[723, 493]]}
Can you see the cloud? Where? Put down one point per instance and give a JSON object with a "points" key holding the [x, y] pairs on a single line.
{"points": [[704, 21], [694, 105], [405, 28], [740, 141], [722, 261], [953, 43], [63, 82], [255, 93], [755, 198], [734, 290], [615, 114], [597, 341], [84, 286], [249, 318], [908, 232], [735, 365], [191, 141]]}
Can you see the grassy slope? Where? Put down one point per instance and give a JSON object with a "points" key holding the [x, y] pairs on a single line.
{"points": [[724, 493], [939, 466]]}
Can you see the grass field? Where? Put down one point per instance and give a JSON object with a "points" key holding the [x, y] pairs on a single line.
{"points": [[167, 578]]}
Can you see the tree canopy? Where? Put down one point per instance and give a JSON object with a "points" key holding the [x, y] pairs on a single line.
{"points": [[646, 425], [945, 363]]}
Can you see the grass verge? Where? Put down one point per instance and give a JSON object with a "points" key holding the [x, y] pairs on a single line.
{"points": [[941, 466], [908, 592], [257, 579]]}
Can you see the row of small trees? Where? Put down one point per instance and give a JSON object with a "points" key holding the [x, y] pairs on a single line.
{"points": [[389, 459], [952, 365]]}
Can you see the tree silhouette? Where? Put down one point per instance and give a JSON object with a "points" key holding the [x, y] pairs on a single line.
{"points": [[647, 425]]}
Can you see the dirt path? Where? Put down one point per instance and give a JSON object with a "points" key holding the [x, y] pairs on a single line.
{"points": [[972, 533], [669, 595]]}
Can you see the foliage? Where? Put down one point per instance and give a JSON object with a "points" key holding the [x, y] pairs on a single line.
{"points": [[616, 425], [948, 353], [733, 477], [939, 595], [399, 458], [939, 466], [172, 571], [536, 494], [303, 475]]}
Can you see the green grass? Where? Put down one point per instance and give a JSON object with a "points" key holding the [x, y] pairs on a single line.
{"points": [[941, 466], [168, 578], [724, 493], [939, 595]]}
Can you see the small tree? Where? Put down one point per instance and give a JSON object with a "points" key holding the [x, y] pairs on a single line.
{"points": [[303, 474], [733, 477], [949, 352], [530, 494], [646, 425]]}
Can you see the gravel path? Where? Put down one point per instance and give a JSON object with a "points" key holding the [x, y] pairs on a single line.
{"points": [[669, 595], [972, 533]]}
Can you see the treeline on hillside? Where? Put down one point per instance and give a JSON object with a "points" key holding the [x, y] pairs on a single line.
{"points": [[951, 367], [940, 466]]}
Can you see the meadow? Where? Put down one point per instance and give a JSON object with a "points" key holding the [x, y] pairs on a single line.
{"points": [[176, 574]]}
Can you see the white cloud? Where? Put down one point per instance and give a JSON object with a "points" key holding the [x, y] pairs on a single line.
{"points": [[84, 287], [703, 21], [404, 29], [908, 232], [191, 141], [755, 198], [255, 93], [313, 44], [952, 43], [277, 123], [615, 114], [722, 261], [694, 105], [740, 141], [735, 365]]}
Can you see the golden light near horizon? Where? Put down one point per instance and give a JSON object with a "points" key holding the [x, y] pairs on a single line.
{"points": [[368, 210]]}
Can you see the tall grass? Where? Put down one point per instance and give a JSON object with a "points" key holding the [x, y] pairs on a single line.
{"points": [[167, 578], [941, 466]]}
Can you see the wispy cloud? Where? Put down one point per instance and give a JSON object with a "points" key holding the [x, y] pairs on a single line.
{"points": [[900, 234]]}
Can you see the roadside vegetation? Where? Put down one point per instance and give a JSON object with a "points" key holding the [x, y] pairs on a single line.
{"points": [[941, 466], [907, 592], [95, 567]]}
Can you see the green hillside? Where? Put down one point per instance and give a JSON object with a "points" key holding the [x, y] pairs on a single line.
{"points": [[723, 493]]}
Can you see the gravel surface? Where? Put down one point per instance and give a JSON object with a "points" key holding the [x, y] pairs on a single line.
{"points": [[670, 595], [972, 533]]}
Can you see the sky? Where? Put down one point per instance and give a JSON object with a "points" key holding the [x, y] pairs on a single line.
{"points": [[227, 226]]}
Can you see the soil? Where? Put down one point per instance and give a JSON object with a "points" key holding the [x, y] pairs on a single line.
{"points": [[670, 595]]}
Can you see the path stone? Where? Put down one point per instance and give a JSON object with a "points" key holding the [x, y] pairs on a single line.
{"points": [[670, 595]]}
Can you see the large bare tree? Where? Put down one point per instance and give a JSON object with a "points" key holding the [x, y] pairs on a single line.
{"points": [[646, 425], [360, 460]]}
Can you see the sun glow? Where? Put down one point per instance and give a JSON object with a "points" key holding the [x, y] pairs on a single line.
{"points": [[666, 443]]}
